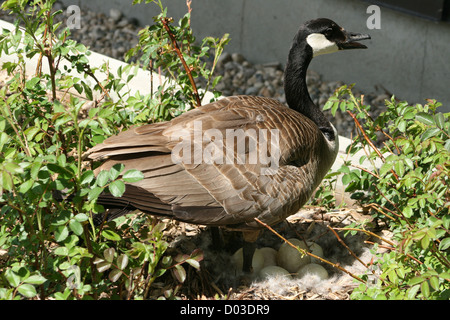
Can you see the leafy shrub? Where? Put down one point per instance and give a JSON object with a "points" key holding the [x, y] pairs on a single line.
{"points": [[52, 248], [409, 193]]}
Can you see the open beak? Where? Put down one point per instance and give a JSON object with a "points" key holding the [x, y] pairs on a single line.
{"points": [[350, 41]]}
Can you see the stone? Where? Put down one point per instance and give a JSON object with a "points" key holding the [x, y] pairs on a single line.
{"points": [[115, 14]]}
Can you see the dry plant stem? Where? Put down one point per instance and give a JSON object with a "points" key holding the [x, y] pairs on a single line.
{"points": [[366, 170], [165, 23], [365, 135], [361, 129], [302, 251], [375, 207], [369, 233], [346, 247]]}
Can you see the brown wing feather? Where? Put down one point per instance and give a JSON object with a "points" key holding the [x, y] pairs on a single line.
{"points": [[220, 194]]}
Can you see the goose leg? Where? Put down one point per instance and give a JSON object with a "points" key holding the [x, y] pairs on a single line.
{"points": [[248, 249], [217, 241]]}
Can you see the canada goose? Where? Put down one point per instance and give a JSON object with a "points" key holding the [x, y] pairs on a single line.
{"points": [[228, 193]]}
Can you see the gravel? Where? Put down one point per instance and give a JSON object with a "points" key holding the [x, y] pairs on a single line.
{"points": [[114, 34]]}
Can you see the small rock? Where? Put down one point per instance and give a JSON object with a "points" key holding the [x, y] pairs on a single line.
{"points": [[252, 91], [115, 14], [238, 58], [97, 33], [122, 23]]}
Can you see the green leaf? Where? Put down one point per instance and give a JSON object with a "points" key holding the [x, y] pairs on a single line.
{"points": [[346, 179], [425, 241], [102, 178], [425, 118], [412, 292], [35, 279], [117, 188], [12, 277], [27, 290], [61, 251], [434, 282], [180, 273], [425, 288], [111, 235], [386, 167], [6, 181], [122, 261], [103, 266], [133, 175], [87, 177], [81, 217], [402, 126], [114, 275], [76, 227], [109, 254], [13, 168], [415, 280], [31, 132], [440, 120], [94, 193], [31, 84], [26, 186], [61, 233], [429, 133], [408, 212], [194, 263], [445, 244], [115, 171]]}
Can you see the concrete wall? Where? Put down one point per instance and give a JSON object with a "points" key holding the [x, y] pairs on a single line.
{"points": [[408, 56]]}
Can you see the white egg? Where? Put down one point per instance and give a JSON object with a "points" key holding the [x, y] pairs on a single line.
{"points": [[270, 256], [257, 261], [313, 269], [273, 271], [315, 249], [290, 258]]}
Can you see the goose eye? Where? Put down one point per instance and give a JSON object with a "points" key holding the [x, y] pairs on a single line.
{"points": [[328, 32]]}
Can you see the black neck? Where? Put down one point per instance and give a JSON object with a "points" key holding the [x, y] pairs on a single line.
{"points": [[296, 91]]}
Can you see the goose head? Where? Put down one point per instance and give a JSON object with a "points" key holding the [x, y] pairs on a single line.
{"points": [[315, 37], [326, 36]]}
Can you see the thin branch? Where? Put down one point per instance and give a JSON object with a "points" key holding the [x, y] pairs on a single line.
{"points": [[165, 22], [365, 135], [302, 251], [349, 250], [369, 233], [380, 155]]}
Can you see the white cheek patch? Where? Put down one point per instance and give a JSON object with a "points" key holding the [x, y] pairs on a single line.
{"points": [[320, 44]]}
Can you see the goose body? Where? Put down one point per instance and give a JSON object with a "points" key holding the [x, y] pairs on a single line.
{"points": [[227, 194], [300, 147]]}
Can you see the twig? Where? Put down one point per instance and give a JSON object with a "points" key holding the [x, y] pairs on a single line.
{"points": [[375, 207], [366, 170], [370, 141], [165, 22], [368, 232], [346, 247], [365, 135], [303, 251]]}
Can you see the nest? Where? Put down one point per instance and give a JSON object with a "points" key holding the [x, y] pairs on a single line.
{"points": [[217, 279]]}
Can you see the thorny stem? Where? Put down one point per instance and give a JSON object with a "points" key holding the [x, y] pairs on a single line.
{"points": [[48, 54], [361, 129], [302, 251], [165, 22]]}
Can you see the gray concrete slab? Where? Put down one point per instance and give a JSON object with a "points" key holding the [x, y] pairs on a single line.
{"points": [[408, 56]]}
